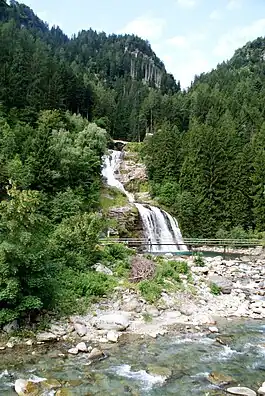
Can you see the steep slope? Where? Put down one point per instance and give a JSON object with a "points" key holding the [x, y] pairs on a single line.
{"points": [[104, 78]]}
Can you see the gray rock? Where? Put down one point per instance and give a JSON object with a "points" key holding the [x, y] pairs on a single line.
{"points": [[112, 336], [46, 336], [10, 327], [241, 390], [81, 347], [59, 331], [80, 329], [261, 390], [222, 282], [114, 321], [95, 354], [101, 268], [73, 351]]}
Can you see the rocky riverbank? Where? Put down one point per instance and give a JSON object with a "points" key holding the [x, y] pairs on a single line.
{"points": [[220, 288]]}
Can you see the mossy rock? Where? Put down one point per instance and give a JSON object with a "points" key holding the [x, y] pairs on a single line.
{"points": [[217, 378], [159, 370]]}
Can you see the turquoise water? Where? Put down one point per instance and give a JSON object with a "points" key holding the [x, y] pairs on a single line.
{"points": [[139, 368]]}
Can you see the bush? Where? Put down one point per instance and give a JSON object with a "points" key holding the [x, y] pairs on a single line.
{"points": [[216, 290], [150, 290], [117, 251], [198, 260]]}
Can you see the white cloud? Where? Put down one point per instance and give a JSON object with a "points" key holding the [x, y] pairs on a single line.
{"points": [[215, 15], [186, 3], [237, 37], [185, 66], [234, 4], [178, 41], [146, 27], [189, 41]]}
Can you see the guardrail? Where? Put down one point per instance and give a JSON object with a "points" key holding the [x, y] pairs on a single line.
{"points": [[187, 241]]}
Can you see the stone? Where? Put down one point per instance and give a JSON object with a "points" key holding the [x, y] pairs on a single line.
{"points": [[10, 327], [261, 390], [12, 342], [59, 331], [101, 268], [81, 347], [73, 351], [96, 354], [200, 270], [50, 384], [116, 321], [241, 390], [81, 329], [224, 284], [131, 305], [159, 370], [63, 392], [112, 336], [25, 387], [46, 336], [217, 378], [29, 342], [213, 329]]}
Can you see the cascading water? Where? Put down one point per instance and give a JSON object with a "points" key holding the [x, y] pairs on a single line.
{"points": [[159, 226]]}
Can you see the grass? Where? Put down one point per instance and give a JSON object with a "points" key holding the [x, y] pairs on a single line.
{"points": [[111, 198], [215, 290]]}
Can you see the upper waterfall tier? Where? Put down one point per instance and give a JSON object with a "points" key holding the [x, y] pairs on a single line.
{"points": [[160, 228]]}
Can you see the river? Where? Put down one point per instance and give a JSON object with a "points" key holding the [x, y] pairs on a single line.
{"points": [[139, 368]]}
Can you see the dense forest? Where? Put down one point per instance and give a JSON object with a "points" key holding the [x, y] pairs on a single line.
{"points": [[62, 100]]}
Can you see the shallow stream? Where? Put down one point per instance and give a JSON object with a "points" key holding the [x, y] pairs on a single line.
{"points": [[139, 368]]}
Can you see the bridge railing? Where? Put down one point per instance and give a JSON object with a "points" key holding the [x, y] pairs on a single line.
{"points": [[187, 242]]}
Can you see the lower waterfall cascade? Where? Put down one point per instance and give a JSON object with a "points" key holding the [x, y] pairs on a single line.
{"points": [[160, 228]]}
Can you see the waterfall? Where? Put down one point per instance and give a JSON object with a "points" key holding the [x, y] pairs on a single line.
{"points": [[159, 226]]}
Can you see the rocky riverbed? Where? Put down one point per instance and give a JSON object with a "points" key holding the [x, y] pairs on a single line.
{"points": [[126, 316], [240, 282]]}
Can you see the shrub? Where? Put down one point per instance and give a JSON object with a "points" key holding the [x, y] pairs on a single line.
{"points": [[117, 251], [150, 290], [216, 290], [198, 260]]}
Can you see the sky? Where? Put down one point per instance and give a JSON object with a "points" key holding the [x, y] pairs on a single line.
{"points": [[189, 36]]}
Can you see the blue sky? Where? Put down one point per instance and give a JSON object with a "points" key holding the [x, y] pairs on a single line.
{"points": [[190, 36]]}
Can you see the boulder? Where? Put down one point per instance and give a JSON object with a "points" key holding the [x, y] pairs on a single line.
{"points": [[46, 336], [81, 347], [10, 327], [217, 378], [101, 268], [223, 283], [112, 336], [261, 390], [114, 321], [96, 354], [201, 319], [73, 351], [241, 390], [81, 329], [25, 387], [59, 331]]}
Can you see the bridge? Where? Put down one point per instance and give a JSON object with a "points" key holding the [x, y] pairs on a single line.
{"points": [[190, 243]]}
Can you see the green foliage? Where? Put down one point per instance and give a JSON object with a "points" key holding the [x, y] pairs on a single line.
{"points": [[198, 259], [74, 242], [215, 290], [77, 289], [26, 269], [111, 198], [117, 252], [150, 290]]}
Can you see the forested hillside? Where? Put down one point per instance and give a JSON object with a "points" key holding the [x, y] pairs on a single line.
{"points": [[111, 79], [213, 175]]}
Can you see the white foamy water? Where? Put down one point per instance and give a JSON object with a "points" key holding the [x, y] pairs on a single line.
{"points": [[147, 380], [161, 229]]}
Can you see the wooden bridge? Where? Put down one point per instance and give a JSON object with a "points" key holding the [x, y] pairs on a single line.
{"points": [[188, 243]]}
